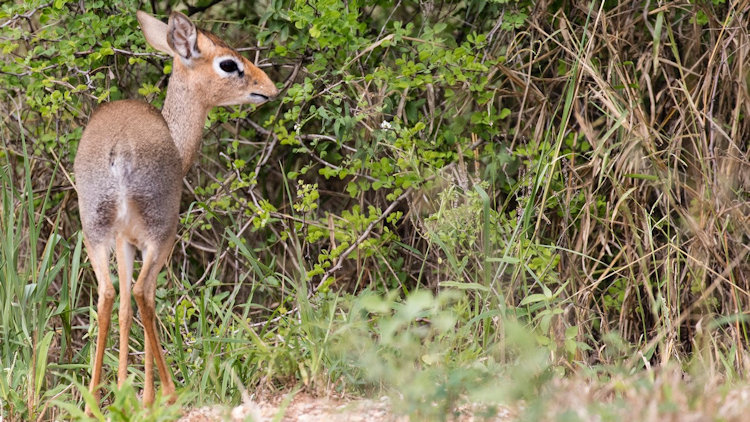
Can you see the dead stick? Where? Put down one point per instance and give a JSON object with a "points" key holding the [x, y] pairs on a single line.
{"points": [[361, 238]]}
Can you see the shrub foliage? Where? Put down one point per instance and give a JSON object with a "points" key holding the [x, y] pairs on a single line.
{"points": [[581, 168]]}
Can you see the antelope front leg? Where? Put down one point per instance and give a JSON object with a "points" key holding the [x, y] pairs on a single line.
{"points": [[148, 388], [125, 253]]}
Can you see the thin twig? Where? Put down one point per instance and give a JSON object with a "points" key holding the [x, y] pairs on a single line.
{"points": [[362, 238]]}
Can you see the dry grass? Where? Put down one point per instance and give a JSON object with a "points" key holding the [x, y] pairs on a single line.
{"points": [[660, 203]]}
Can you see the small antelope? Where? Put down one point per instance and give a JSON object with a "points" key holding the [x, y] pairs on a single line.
{"points": [[129, 170]]}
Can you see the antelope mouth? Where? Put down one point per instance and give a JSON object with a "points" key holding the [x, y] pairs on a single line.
{"points": [[258, 98]]}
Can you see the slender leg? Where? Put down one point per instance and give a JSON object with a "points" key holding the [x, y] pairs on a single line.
{"points": [[148, 389], [125, 253], [144, 291], [99, 257]]}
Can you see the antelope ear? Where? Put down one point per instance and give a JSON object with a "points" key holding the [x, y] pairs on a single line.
{"points": [[155, 32], [182, 37]]}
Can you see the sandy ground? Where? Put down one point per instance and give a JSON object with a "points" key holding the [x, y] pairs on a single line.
{"points": [[668, 396], [304, 408]]}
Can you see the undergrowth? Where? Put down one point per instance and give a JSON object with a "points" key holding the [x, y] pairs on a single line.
{"points": [[451, 202]]}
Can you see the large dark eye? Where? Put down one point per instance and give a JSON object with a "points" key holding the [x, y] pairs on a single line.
{"points": [[228, 66]]}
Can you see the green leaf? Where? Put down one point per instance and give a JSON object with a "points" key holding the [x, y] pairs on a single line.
{"points": [[465, 286], [533, 298], [41, 362], [571, 332], [314, 31]]}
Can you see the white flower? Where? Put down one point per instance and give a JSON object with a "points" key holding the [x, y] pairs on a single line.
{"points": [[385, 125]]}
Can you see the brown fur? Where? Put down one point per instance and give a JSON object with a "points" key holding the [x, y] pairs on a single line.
{"points": [[120, 163], [129, 169]]}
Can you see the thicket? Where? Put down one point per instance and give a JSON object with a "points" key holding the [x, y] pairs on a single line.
{"points": [[436, 179]]}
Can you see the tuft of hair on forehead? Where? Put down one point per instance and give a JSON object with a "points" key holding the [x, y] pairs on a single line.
{"points": [[214, 39]]}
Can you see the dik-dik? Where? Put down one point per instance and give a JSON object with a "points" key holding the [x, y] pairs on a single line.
{"points": [[129, 170]]}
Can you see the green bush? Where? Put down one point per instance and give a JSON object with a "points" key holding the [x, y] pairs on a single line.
{"points": [[576, 170]]}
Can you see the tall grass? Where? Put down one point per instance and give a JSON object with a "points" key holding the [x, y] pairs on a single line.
{"points": [[39, 291]]}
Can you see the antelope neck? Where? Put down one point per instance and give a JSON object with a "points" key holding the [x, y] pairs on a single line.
{"points": [[185, 115]]}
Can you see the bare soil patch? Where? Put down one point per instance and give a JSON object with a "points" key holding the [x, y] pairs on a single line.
{"points": [[651, 396], [306, 408]]}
